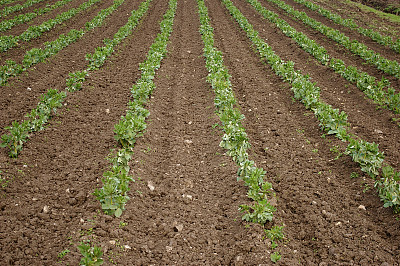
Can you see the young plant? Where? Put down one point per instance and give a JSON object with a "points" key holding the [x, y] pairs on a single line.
{"points": [[92, 256], [18, 134]]}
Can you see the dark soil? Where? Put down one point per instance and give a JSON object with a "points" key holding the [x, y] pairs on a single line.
{"points": [[184, 201], [387, 6]]}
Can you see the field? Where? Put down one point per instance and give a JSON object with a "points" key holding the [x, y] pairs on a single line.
{"points": [[198, 133]]}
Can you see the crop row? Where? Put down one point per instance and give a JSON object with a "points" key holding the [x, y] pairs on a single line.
{"points": [[38, 55], [366, 154], [113, 195], [38, 117], [375, 90], [390, 67], [11, 9], [10, 41], [349, 23], [235, 139], [4, 2], [24, 18]]}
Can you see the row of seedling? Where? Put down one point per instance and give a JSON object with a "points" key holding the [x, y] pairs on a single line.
{"points": [[334, 122], [390, 67], [11, 9], [378, 91], [349, 23], [9, 41], [24, 18], [36, 120], [38, 55], [113, 195], [235, 139]]}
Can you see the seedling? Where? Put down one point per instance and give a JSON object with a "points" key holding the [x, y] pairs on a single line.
{"points": [[275, 257], [275, 234], [354, 175], [63, 253], [91, 255], [122, 224]]}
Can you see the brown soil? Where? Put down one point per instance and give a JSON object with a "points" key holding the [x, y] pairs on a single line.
{"points": [[388, 6], [191, 217]]}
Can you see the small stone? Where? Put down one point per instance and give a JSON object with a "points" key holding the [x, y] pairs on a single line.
{"points": [[45, 209], [314, 202], [67, 190], [187, 196], [34, 199], [81, 220], [25, 166], [187, 141], [127, 247], [178, 227], [150, 185], [329, 180], [362, 207], [338, 223], [190, 122], [29, 89], [332, 251], [168, 248], [72, 201], [378, 131], [112, 242]]}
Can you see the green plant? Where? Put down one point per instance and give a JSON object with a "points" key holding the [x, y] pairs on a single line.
{"points": [[274, 234], [366, 187], [354, 175], [335, 149], [63, 253], [92, 256], [389, 188], [260, 212], [15, 140], [275, 257], [367, 155], [75, 80]]}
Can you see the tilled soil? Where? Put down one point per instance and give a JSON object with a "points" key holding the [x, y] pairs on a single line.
{"points": [[184, 201], [388, 6]]}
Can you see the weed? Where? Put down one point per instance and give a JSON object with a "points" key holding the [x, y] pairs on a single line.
{"points": [[366, 187], [354, 175], [275, 257], [122, 224], [63, 253]]}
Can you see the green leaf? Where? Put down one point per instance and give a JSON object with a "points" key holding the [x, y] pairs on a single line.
{"points": [[118, 212]]}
